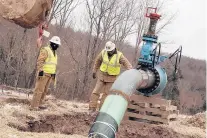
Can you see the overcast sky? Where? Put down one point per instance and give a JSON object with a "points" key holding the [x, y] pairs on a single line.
{"points": [[188, 28]]}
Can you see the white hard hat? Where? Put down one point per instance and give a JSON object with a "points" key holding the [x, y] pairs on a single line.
{"points": [[110, 46], [56, 40]]}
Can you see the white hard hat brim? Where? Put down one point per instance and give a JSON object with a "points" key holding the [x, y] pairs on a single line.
{"points": [[58, 43], [111, 49]]}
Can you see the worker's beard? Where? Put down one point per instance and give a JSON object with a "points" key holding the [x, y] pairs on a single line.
{"points": [[54, 46], [111, 53]]}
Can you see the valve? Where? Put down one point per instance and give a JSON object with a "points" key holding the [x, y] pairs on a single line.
{"points": [[154, 17]]}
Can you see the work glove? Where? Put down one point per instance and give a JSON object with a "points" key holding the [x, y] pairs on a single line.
{"points": [[41, 73], [94, 75], [53, 76]]}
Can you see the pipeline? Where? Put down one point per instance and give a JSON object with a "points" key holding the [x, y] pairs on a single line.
{"points": [[115, 105]]}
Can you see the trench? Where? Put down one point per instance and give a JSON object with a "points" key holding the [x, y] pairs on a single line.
{"points": [[80, 123], [69, 124]]}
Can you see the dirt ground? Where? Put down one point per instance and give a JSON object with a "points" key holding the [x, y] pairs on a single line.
{"points": [[64, 119]]}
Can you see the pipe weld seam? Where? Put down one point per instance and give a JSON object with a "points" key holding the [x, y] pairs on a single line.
{"points": [[114, 91], [97, 133], [109, 125]]}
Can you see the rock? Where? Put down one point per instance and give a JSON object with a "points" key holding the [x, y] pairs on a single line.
{"points": [[75, 106]]}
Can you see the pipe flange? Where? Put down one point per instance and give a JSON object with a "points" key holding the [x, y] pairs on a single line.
{"points": [[147, 91], [144, 65]]}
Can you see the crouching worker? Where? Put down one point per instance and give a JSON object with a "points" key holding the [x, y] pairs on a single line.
{"points": [[46, 71], [108, 62]]}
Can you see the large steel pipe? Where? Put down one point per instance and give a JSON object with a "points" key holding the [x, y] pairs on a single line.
{"points": [[114, 107]]}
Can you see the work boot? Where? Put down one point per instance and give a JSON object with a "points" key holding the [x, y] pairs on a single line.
{"points": [[42, 107]]}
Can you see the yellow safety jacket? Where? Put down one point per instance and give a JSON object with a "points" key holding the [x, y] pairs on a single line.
{"points": [[51, 61], [113, 66]]}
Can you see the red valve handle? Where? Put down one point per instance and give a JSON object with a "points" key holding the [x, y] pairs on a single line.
{"points": [[148, 14]]}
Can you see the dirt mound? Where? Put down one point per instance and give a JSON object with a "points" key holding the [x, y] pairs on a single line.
{"points": [[79, 123], [66, 124], [15, 100], [198, 120], [144, 130], [64, 119]]}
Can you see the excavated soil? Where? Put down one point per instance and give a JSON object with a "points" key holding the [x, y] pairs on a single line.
{"points": [[66, 124], [80, 124], [144, 130], [65, 119], [198, 120]]}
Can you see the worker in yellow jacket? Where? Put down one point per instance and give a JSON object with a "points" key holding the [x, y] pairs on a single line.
{"points": [[46, 71], [108, 62]]}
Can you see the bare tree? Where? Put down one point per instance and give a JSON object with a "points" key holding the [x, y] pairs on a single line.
{"points": [[108, 19], [62, 10], [96, 11], [76, 64]]}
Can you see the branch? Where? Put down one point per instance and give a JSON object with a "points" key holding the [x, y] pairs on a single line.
{"points": [[70, 50]]}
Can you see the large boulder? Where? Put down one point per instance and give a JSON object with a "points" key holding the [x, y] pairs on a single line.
{"points": [[26, 13]]}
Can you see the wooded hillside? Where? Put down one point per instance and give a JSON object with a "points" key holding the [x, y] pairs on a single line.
{"points": [[18, 53]]}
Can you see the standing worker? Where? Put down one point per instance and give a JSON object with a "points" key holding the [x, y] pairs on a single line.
{"points": [[109, 63], [46, 69]]}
